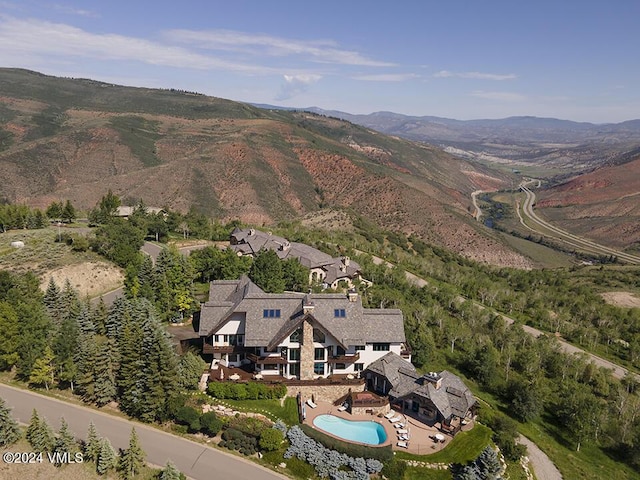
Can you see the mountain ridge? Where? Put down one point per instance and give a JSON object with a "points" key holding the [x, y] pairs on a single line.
{"points": [[74, 138]]}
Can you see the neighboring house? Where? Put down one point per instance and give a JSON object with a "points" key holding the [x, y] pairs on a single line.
{"points": [[303, 336], [322, 267], [433, 397], [126, 212]]}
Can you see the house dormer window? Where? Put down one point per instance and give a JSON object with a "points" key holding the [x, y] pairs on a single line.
{"points": [[318, 336], [271, 313], [296, 336], [339, 313]]}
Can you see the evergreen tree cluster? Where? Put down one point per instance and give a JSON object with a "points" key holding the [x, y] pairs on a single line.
{"points": [[13, 217], [9, 430], [486, 467]]}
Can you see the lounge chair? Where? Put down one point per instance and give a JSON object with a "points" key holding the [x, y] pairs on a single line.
{"points": [[403, 444], [402, 431], [395, 419], [311, 404], [390, 415], [403, 437], [342, 407], [399, 425]]}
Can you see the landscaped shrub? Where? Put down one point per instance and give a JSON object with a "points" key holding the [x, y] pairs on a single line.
{"points": [[270, 439], [249, 425], [394, 469], [246, 391], [329, 463], [236, 440], [189, 416], [210, 424], [382, 454]]}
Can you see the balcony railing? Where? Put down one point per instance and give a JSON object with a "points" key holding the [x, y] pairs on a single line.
{"points": [[344, 358], [266, 360], [209, 349]]}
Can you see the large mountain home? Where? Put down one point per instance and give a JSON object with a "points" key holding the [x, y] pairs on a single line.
{"points": [[431, 398], [322, 267], [296, 336]]}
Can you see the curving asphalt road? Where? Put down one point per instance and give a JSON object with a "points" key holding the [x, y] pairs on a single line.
{"points": [[195, 460], [571, 239]]}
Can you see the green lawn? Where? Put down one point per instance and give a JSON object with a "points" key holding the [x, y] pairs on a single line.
{"points": [[271, 408], [466, 446]]}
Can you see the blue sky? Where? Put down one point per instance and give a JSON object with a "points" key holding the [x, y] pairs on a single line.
{"points": [[575, 60]]}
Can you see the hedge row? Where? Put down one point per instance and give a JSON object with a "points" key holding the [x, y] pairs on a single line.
{"points": [[246, 391]]}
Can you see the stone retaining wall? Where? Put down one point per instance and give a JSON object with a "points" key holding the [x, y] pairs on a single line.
{"points": [[323, 393]]}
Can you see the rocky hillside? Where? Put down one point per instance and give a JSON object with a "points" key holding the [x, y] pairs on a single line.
{"points": [[603, 204], [75, 138]]}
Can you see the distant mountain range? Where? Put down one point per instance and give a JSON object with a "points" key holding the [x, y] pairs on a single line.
{"points": [[560, 144]]}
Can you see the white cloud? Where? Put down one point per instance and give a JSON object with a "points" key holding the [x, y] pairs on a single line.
{"points": [[25, 38], [500, 96], [74, 11], [296, 84], [475, 75], [322, 51], [387, 77]]}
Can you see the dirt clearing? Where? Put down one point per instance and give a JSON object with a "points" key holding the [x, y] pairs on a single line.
{"points": [[621, 299]]}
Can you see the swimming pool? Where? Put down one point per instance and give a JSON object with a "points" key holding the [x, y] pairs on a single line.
{"points": [[368, 432]]}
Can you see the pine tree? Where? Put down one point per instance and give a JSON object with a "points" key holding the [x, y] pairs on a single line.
{"points": [[107, 458], [43, 369], [10, 338], [132, 459], [92, 444], [68, 213], [190, 370], [66, 441], [9, 429], [52, 299], [65, 345], [170, 472], [99, 317], [104, 386], [85, 362], [39, 434]]}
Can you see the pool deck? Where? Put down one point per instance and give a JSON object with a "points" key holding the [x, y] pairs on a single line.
{"points": [[419, 442]]}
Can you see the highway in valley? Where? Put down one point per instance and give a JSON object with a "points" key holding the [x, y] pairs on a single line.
{"points": [[581, 243]]}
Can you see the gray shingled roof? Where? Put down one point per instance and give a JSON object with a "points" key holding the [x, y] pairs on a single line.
{"points": [[452, 398], [359, 326]]}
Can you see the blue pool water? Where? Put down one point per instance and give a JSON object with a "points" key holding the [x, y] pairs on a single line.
{"points": [[368, 432]]}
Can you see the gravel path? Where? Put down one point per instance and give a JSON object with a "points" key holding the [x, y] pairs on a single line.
{"points": [[540, 463]]}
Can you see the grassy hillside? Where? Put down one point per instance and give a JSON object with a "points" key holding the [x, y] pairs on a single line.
{"points": [[73, 139]]}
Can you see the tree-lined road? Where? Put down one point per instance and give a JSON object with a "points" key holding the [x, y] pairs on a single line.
{"points": [[195, 460]]}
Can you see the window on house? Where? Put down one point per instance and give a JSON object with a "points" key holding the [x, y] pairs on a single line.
{"points": [[271, 313], [360, 347], [294, 354], [216, 338], [381, 347], [270, 366], [294, 369], [319, 354], [340, 366], [318, 368], [358, 367], [318, 336], [340, 312], [296, 336], [339, 351]]}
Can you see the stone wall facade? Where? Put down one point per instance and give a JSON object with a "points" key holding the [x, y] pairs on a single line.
{"points": [[307, 352], [323, 393]]}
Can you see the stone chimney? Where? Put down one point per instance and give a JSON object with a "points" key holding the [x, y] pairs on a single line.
{"points": [[307, 304], [433, 378], [352, 295]]}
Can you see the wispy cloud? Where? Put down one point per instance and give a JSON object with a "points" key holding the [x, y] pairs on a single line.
{"points": [[322, 51], [387, 77], [25, 37], [295, 85], [74, 11], [499, 96], [475, 75]]}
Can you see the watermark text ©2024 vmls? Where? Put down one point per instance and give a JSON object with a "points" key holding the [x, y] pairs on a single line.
{"points": [[57, 458]]}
